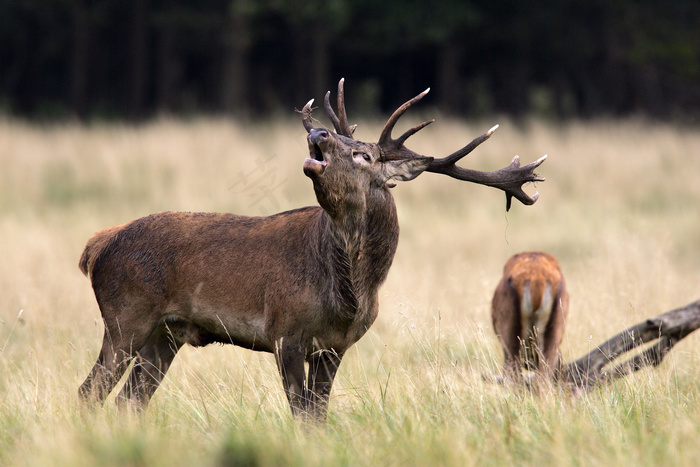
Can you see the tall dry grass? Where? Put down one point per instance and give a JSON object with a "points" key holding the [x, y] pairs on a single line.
{"points": [[619, 209]]}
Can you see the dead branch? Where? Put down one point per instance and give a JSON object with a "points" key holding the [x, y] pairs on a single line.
{"points": [[666, 329]]}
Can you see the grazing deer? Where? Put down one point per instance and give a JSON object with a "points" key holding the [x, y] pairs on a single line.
{"points": [[529, 310], [301, 284]]}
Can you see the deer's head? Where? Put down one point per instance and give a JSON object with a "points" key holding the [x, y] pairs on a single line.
{"points": [[347, 173]]}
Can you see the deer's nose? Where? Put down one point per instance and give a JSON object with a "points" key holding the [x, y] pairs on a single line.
{"points": [[318, 135]]}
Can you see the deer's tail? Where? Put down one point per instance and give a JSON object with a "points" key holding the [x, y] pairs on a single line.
{"points": [[536, 305], [94, 248]]}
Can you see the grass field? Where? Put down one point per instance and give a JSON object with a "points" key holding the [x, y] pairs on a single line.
{"points": [[620, 209]]}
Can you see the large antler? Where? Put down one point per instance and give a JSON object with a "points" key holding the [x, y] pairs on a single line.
{"points": [[509, 179]]}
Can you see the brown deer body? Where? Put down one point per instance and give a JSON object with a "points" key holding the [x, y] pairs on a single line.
{"points": [[529, 310], [301, 284]]}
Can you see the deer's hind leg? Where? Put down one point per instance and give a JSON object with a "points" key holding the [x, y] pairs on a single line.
{"points": [[105, 374], [119, 345], [150, 364]]}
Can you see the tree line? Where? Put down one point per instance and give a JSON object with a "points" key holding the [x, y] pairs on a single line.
{"points": [[138, 58]]}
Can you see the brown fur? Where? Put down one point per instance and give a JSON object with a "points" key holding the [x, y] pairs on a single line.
{"points": [[530, 308], [301, 284]]}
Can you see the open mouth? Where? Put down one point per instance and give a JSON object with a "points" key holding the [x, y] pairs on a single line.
{"points": [[315, 164], [315, 153]]}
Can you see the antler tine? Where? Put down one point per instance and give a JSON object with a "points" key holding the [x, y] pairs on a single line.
{"points": [[385, 137], [306, 116], [457, 155], [340, 123], [528, 172], [346, 130], [402, 139], [331, 113]]}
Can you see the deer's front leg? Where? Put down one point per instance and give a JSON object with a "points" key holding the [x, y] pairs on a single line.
{"points": [[290, 354], [323, 366]]}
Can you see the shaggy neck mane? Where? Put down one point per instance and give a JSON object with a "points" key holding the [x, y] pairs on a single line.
{"points": [[360, 248]]}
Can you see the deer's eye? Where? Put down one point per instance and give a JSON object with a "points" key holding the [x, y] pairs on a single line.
{"points": [[364, 155]]}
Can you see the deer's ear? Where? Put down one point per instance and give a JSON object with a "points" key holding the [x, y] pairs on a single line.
{"points": [[406, 169]]}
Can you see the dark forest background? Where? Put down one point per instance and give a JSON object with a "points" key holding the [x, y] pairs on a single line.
{"points": [[560, 58]]}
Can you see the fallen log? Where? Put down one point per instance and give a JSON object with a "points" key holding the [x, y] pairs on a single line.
{"points": [[666, 329]]}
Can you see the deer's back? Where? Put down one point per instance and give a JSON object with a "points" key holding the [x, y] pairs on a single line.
{"points": [[207, 267], [536, 278]]}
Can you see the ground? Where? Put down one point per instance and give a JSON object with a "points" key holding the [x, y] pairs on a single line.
{"points": [[619, 210]]}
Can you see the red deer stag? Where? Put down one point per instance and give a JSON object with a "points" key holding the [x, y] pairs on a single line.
{"points": [[529, 311], [302, 284]]}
